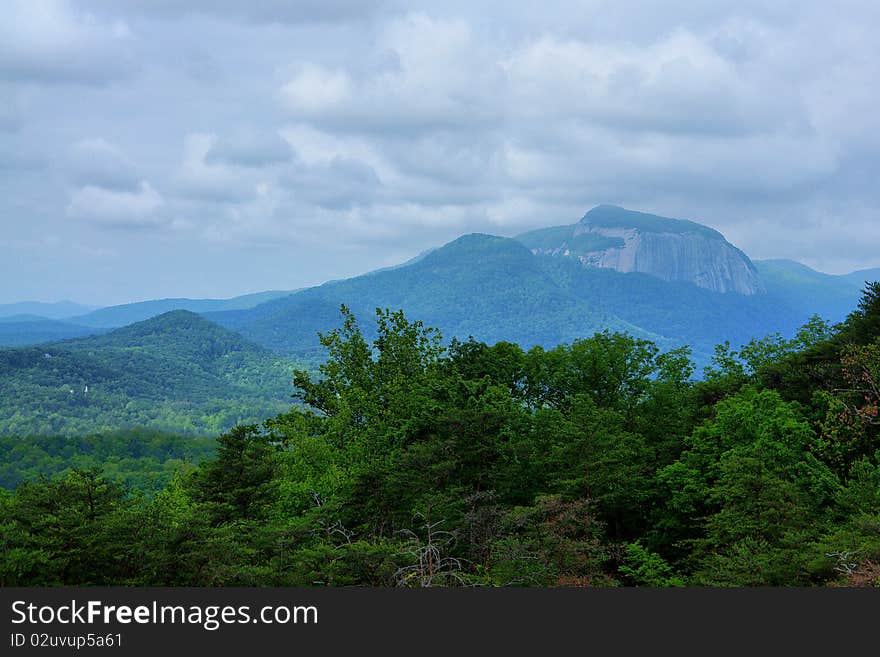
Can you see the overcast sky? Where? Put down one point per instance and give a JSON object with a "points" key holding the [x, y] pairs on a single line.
{"points": [[154, 148]]}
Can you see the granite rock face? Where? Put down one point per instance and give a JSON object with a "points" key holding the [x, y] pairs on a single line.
{"points": [[670, 249]]}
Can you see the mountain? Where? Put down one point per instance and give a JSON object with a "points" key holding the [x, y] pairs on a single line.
{"points": [[490, 287], [29, 329], [176, 372], [58, 310], [19, 330], [669, 249], [796, 285], [680, 312], [671, 281], [859, 278], [116, 316], [405, 263], [495, 288], [24, 317]]}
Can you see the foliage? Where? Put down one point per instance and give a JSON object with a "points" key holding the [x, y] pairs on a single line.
{"points": [[139, 459], [177, 372], [408, 461], [495, 289]]}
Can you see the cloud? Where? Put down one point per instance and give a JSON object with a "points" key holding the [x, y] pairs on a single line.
{"points": [[711, 109], [258, 11], [339, 183], [438, 74], [314, 91], [431, 74], [452, 117], [50, 41], [117, 209], [341, 135], [679, 85], [98, 163], [214, 181], [248, 148]]}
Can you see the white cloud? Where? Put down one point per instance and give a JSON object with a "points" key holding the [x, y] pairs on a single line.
{"points": [[438, 74], [51, 41], [338, 183], [679, 85], [98, 163], [449, 116], [259, 11], [315, 90], [431, 74], [116, 208], [199, 179], [314, 146]]}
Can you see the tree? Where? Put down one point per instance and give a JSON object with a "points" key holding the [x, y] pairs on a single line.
{"points": [[240, 483], [750, 472]]}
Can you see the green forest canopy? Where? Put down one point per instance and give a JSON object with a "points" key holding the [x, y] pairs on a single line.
{"points": [[601, 463], [177, 373]]}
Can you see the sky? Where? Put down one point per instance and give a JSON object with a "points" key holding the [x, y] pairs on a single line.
{"points": [[209, 148]]}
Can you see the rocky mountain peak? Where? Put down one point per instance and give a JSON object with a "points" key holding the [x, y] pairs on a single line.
{"points": [[670, 249]]}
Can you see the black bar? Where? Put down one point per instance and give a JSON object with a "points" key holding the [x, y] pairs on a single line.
{"points": [[457, 621]]}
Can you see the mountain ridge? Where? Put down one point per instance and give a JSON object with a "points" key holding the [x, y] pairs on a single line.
{"points": [[480, 285], [627, 241], [177, 372], [124, 314], [55, 310], [499, 288], [204, 371]]}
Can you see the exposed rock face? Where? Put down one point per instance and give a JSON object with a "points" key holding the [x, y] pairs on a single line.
{"points": [[670, 249]]}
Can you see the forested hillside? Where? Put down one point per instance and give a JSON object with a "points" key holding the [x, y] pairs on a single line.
{"points": [[143, 460], [20, 330], [116, 316], [479, 285], [494, 288], [671, 281], [791, 284], [177, 372], [36, 323], [36, 309], [600, 462]]}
